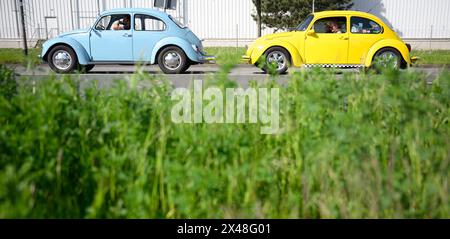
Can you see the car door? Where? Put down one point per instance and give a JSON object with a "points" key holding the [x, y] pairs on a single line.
{"points": [[148, 30], [112, 39], [328, 43], [364, 33]]}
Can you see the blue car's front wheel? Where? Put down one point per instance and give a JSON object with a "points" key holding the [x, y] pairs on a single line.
{"points": [[173, 60], [62, 59]]}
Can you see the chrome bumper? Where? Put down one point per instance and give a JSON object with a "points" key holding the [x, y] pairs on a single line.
{"points": [[208, 60], [246, 59]]}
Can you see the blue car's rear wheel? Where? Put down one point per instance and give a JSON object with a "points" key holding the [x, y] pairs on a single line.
{"points": [[173, 60], [62, 59]]}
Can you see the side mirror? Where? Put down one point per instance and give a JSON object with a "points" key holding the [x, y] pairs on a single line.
{"points": [[311, 32], [99, 27]]}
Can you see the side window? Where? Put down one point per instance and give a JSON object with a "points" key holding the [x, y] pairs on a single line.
{"points": [[120, 22], [362, 25], [103, 23], [148, 23], [138, 24], [331, 25]]}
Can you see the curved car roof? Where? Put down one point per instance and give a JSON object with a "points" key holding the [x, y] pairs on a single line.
{"points": [[347, 12], [136, 10]]}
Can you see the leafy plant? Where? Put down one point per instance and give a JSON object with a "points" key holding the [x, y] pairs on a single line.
{"points": [[372, 146]]}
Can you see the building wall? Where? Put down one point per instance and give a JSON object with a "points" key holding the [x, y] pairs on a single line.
{"points": [[412, 18], [219, 22]]}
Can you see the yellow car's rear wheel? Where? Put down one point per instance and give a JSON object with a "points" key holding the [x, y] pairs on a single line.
{"points": [[387, 58]]}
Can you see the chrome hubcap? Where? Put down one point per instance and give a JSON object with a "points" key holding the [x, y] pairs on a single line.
{"points": [[172, 60], [388, 59], [62, 60], [278, 58]]}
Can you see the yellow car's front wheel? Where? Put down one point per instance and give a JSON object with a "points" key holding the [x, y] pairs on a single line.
{"points": [[277, 60]]}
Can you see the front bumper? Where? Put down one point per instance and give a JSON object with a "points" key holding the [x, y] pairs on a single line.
{"points": [[41, 59], [246, 59]]}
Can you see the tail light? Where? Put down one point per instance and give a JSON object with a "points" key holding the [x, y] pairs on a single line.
{"points": [[409, 47]]}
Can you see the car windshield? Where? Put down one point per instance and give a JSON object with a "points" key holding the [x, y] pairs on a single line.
{"points": [[305, 23], [181, 25]]}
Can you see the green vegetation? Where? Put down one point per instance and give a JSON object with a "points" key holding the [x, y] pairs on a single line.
{"points": [[279, 14], [434, 57], [377, 147], [16, 56], [226, 56]]}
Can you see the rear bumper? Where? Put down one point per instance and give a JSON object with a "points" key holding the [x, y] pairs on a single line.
{"points": [[414, 59], [207, 59]]}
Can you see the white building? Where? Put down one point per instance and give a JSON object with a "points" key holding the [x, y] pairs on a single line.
{"points": [[424, 23]]}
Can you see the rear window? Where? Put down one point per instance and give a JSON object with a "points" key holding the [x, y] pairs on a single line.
{"points": [[148, 23], [181, 25], [362, 25]]}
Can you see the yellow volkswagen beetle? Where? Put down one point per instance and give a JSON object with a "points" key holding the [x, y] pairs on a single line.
{"points": [[332, 39]]}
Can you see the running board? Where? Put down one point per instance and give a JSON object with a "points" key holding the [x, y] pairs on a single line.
{"points": [[119, 63], [333, 65]]}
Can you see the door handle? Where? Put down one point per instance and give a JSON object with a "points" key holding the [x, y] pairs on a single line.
{"points": [[343, 38], [127, 35]]}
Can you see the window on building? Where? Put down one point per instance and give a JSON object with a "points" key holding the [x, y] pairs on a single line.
{"points": [[362, 25], [331, 25]]}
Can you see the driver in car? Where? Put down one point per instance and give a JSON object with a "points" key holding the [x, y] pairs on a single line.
{"points": [[333, 27], [123, 24]]}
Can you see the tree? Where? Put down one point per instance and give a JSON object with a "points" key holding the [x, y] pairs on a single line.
{"points": [[284, 14], [257, 17]]}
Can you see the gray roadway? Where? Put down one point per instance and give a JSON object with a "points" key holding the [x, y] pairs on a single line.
{"points": [[242, 74]]}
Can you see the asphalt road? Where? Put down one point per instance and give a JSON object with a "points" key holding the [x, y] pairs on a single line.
{"points": [[107, 74]]}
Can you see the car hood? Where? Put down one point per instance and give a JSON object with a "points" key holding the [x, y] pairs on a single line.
{"points": [[277, 35], [75, 32]]}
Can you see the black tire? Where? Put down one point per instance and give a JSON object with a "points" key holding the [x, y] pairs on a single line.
{"points": [[186, 67], [379, 61], [68, 54], [178, 60], [268, 56], [87, 68]]}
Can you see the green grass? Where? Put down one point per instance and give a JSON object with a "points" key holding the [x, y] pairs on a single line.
{"points": [[226, 56], [377, 147], [435, 57], [17, 56]]}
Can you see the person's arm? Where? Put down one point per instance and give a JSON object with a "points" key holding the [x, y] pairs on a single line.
{"points": [[115, 25]]}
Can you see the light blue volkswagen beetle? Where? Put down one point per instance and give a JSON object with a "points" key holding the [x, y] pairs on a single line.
{"points": [[127, 36]]}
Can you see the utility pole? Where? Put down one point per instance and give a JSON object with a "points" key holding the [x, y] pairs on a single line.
{"points": [[313, 6], [24, 32]]}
